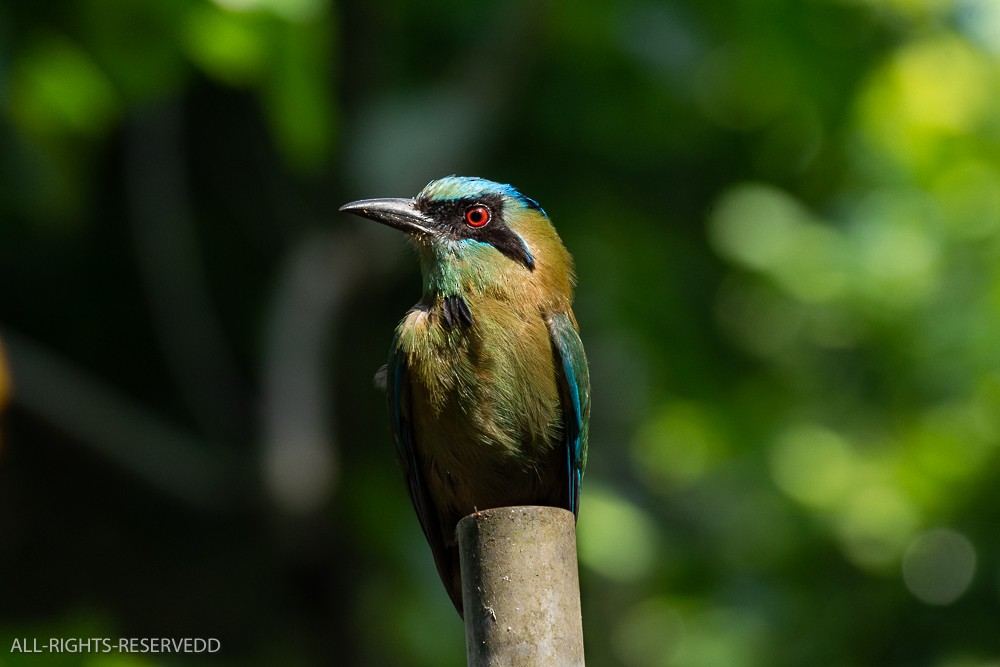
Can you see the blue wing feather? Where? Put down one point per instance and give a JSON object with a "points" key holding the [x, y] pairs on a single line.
{"points": [[574, 385]]}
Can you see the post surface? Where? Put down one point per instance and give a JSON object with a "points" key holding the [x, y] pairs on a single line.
{"points": [[520, 587]]}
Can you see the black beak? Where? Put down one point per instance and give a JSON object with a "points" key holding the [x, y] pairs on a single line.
{"points": [[399, 213]]}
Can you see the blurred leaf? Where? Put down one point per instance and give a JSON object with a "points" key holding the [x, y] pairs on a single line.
{"points": [[616, 538], [262, 46], [814, 465], [677, 445], [297, 94], [57, 88], [230, 46], [931, 92]]}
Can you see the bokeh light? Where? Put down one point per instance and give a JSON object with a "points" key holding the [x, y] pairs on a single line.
{"points": [[814, 466], [939, 566], [615, 537]]}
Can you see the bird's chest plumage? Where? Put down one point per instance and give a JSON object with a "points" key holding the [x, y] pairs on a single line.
{"points": [[485, 403]]}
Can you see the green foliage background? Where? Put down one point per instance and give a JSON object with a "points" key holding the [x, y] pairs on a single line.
{"points": [[786, 221]]}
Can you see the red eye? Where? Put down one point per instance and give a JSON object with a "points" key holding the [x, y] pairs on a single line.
{"points": [[477, 216]]}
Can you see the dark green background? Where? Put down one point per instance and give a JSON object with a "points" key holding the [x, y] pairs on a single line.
{"points": [[786, 221]]}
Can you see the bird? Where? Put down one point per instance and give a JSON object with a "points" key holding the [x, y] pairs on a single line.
{"points": [[487, 381]]}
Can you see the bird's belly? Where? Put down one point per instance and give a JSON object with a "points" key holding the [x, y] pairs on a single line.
{"points": [[474, 460], [486, 416]]}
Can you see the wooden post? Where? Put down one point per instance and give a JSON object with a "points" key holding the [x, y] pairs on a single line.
{"points": [[520, 587]]}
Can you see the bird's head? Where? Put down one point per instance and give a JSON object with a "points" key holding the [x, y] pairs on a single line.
{"points": [[474, 235]]}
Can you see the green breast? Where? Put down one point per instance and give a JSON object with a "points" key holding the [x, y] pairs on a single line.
{"points": [[485, 394]]}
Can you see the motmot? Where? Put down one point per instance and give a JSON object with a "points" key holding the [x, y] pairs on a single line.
{"points": [[487, 382]]}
